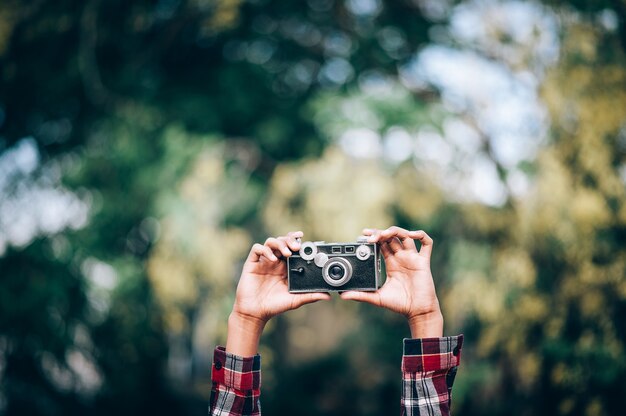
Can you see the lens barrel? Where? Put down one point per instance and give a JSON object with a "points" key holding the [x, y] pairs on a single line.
{"points": [[337, 271]]}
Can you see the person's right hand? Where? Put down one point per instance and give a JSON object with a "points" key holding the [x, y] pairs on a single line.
{"points": [[263, 292]]}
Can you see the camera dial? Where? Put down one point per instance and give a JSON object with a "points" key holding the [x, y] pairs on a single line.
{"points": [[308, 251], [337, 271], [320, 259], [363, 252]]}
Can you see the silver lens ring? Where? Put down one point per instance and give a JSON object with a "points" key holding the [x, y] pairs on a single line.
{"points": [[308, 251], [329, 269]]}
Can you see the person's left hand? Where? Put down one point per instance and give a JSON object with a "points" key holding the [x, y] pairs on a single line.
{"points": [[409, 288]]}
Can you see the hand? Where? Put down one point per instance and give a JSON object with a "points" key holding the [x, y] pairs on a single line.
{"points": [[262, 293], [409, 289]]}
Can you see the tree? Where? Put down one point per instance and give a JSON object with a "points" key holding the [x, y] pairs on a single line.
{"points": [[158, 127]]}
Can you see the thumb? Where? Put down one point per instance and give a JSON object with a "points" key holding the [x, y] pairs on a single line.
{"points": [[367, 297], [304, 298]]}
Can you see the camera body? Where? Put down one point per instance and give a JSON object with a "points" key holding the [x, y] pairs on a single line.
{"points": [[330, 267]]}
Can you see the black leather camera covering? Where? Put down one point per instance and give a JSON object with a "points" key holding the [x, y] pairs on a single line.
{"points": [[306, 276]]}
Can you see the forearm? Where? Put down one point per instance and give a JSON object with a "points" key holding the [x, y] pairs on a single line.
{"points": [[244, 334], [427, 326], [236, 374]]}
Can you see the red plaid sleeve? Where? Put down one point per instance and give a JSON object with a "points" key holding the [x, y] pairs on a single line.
{"points": [[236, 385], [428, 369]]}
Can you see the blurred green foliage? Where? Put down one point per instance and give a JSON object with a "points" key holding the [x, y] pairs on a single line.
{"points": [[145, 145]]}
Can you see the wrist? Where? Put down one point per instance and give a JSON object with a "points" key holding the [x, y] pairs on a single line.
{"points": [[428, 325], [244, 334]]}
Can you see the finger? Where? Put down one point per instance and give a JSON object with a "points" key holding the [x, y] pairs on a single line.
{"points": [[295, 234], [401, 234], [368, 231], [394, 244], [367, 297], [427, 242], [374, 237], [292, 240], [258, 251], [299, 299], [386, 251], [278, 246]]}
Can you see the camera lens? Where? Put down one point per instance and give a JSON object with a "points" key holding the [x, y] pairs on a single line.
{"points": [[337, 271]]}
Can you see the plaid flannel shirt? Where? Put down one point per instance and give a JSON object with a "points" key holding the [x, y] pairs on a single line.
{"points": [[428, 369]]}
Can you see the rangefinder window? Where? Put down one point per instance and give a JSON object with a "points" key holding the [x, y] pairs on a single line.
{"points": [[349, 249]]}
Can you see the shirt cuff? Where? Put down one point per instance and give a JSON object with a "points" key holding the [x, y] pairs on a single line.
{"points": [[236, 372], [431, 354]]}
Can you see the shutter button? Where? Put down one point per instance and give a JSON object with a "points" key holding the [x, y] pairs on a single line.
{"points": [[218, 365]]}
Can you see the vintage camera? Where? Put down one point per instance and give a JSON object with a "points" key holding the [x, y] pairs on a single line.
{"points": [[328, 267]]}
